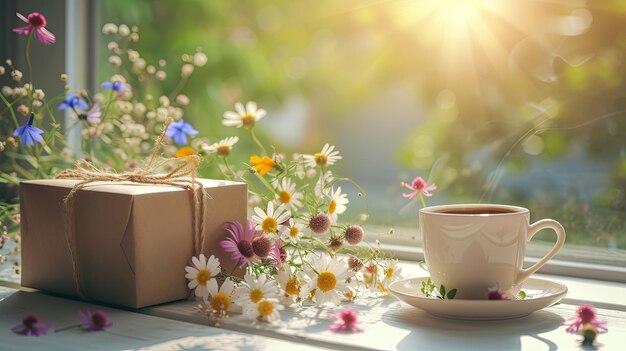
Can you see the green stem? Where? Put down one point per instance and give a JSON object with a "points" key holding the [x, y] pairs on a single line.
{"points": [[265, 182], [256, 140], [30, 67], [106, 109], [179, 87], [422, 200], [229, 169], [6, 102]]}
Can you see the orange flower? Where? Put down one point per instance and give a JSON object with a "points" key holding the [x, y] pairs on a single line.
{"points": [[262, 165], [186, 151]]}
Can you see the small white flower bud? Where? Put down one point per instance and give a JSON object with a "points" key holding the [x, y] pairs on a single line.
{"points": [[199, 59], [109, 28], [123, 30], [186, 70]]}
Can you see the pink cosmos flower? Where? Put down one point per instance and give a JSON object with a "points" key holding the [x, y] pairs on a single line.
{"points": [[37, 22], [418, 185], [239, 245], [31, 325], [586, 314], [347, 320], [95, 321]]}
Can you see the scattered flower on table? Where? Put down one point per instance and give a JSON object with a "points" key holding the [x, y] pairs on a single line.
{"points": [[586, 324], [391, 272], [239, 244], [73, 102], [336, 204], [290, 285], [223, 147], [244, 117], [254, 289], [266, 310], [96, 321], [292, 232], [115, 86], [287, 193], [28, 133], [325, 279], [347, 321], [262, 164], [327, 157], [418, 186], [179, 131], [31, 325], [270, 222], [36, 22], [221, 300], [201, 273]]}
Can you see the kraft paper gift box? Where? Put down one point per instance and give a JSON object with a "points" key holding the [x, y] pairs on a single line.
{"points": [[132, 240]]}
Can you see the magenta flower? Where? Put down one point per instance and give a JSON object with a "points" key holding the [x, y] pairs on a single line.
{"points": [[347, 320], [278, 255], [31, 325], [93, 116], [586, 314], [492, 294], [239, 245], [37, 22], [95, 321], [28, 133], [418, 185]]}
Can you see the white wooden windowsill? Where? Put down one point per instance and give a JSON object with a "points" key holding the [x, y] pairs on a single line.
{"points": [[388, 324]]}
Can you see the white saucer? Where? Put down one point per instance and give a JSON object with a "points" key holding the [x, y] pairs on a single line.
{"points": [[540, 294]]}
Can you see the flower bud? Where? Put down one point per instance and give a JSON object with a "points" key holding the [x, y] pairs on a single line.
{"points": [[319, 223], [354, 234]]}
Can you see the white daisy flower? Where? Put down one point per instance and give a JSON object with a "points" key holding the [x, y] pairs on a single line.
{"points": [[323, 182], [221, 300], [255, 289], [391, 272], [222, 148], [337, 204], [293, 232], [290, 284], [287, 194], [270, 222], [266, 310], [202, 273], [243, 117], [326, 281], [327, 157]]}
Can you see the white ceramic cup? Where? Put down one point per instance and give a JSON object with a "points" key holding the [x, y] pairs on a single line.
{"points": [[474, 248]]}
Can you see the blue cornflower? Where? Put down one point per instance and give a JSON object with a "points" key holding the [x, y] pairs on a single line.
{"points": [[72, 102], [115, 86], [28, 133], [179, 130]]}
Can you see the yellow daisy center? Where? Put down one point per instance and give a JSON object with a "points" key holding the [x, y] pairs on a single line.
{"points": [[265, 308], [293, 232], [332, 206], [326, 281], [269, 225], [256, 295], [223, 150], [248, 120], [220, 302], [284, 197], [203, 276], [293, 286], [389, 272], [320, 159]]}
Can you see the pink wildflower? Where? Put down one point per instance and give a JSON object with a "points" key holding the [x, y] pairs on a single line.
{"points": [[31, 325], [418, 185], [586, 314], [37, 22], [496, 294], [239, 244], [347, 320], [95, 321]]}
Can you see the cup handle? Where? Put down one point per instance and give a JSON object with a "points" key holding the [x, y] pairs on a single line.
{"points": [[560, 240]]}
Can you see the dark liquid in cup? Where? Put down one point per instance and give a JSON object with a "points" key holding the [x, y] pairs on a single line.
{"points": [[472, 211]]}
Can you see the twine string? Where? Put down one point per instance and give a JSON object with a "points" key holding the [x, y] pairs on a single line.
{"points": [[182, 174]]}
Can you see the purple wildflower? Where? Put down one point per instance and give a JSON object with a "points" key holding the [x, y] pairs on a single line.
{"points": [[95, 321], [73, 101], [115, 86], [179, 130], [28, 133], [37, 22], [31, 325], [239, 245]]}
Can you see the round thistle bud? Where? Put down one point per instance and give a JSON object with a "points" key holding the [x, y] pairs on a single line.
{"points": [[283, 254], [354, 234], [355, 263], [319, 223], [335, 244], [262, 246]]}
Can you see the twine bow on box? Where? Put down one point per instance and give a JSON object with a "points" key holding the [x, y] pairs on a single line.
{"points": [[183, 175]]}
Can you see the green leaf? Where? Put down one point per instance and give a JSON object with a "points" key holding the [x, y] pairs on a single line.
{"points": [[521, 294], [451, 294], [442, 291]]}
